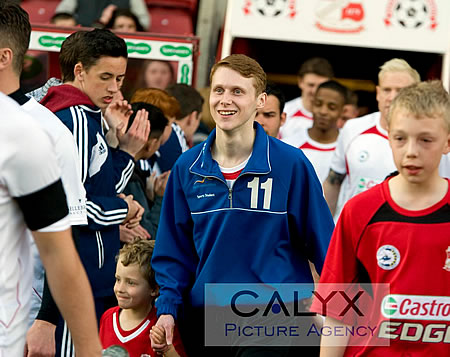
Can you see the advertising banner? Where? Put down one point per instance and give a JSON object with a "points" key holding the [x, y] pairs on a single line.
{"points": [[412, 25]]}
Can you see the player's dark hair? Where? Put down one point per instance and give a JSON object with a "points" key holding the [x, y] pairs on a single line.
{"points": [[352, 97], [126, 13], [89, 47], [274, 89], [337, 87], [61, 16], [188, 97], [318, 66], [158, 121], [68, 56], [15, 30]]}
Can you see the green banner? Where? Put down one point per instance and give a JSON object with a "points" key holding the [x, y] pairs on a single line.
{"points": [[180, 51], [141, 48], [184, 74], [49, 41]]}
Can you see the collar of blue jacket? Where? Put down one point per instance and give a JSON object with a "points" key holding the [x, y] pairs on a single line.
{"points": [[259, 162]]}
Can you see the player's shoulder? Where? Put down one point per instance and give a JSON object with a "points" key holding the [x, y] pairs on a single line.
{"points": [[110, 312], [48, 120], [366, 203], [293, 102], [297, 136], [291, 106], [357, 126], [283, 154], [16, 121]]}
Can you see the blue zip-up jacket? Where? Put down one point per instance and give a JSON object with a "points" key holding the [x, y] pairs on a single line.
{"points": [[263, 230], [104, 173]]}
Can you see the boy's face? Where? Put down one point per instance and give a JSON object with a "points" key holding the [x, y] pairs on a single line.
{"points": [[417, 145], [327, 108], [158, 75], [131, 289], [388, 88], [308, 84], [124, 24], [233, 101], [270, 117], [102, 80], [152, 146]]}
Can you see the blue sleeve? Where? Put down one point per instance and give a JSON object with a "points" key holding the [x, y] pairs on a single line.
{"points": [[174, 259], [105, 211], [309, 214], [102, 211], [123, 168]]}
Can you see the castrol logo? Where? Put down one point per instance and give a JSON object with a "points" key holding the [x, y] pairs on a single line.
{"points": [[416, 307]]}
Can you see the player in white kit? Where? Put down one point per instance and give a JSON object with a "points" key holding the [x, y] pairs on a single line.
{"points": [[319, 141], [363, 157], [32, 196], [312, 72]]}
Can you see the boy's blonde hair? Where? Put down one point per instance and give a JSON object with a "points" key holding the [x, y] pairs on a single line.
{"points": [[140, 252], [425, 99], [247, 67], [398, 65]]}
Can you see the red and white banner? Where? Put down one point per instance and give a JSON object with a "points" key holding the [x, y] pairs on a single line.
{"points": [[412, 25]]}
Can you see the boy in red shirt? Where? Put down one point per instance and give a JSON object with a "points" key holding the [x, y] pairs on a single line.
{"points": [[129, 324], [398, 233]]}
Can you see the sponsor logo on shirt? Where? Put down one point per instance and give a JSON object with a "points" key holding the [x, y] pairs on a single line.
{"points": [[204, 182], [363, 156], [99, 154], [447, 261], [416, 307], [206, 195], [388, 257]]}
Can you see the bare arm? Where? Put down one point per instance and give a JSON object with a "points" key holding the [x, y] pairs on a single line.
{"points": [[332, 345], [331, 189], [70, 288]]}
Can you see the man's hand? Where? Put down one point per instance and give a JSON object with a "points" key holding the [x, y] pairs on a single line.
{"points": [[118, 113], [135, 211], [167, 324], [161, 183], [107, 14], [137, 136], [40, 340], [128, 235]]}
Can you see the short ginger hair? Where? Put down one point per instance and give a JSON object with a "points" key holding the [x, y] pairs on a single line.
{"points": [[247, 67]]}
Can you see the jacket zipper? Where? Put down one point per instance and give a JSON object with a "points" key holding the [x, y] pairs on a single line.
{"points": [[230, 190]]}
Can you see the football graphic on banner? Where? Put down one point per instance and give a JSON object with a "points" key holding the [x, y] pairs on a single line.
{"points": [[270, 7], [411, 13]]}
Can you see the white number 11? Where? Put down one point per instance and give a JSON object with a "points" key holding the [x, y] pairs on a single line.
{"points": [[266, 186]]}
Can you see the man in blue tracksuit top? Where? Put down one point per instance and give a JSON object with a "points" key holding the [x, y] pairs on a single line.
{"points": [[242, 207], [93, 67]]}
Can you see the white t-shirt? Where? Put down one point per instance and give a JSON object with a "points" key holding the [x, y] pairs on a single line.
{"points": [[297, 116], [319, 154], [27, 165], [363, 153], [67, 156], [68, 161], [232, 173]]}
